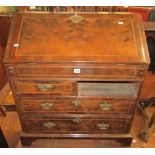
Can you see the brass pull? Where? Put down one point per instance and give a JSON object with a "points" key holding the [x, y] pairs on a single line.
{"points": [[49, 125], [105, 106], [77, 120], [76, 102], [47, 106], [103, 125], [46, 87]]}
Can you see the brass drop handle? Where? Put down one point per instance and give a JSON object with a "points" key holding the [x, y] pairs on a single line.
{"points": [[46, 87], [49, 125], [103, 126], [105, 106], [47, 105], [77, 120], [76, 102]]}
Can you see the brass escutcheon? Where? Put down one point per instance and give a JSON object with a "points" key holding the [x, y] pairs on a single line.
{"points": [[76, 102], [76, 18]]}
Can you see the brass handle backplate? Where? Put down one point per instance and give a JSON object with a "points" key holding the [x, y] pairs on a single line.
{"points": [[47, 106], [105, 106], [46, 87], [49, 125], [103, 125], [76, 102], [77, 120]]}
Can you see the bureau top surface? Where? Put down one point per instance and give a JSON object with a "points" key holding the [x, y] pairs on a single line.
{"points": [[47, 37]]}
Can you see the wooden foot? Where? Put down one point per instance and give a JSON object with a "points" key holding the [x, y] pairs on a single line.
{"points": [[27, 141], [126, 142]]}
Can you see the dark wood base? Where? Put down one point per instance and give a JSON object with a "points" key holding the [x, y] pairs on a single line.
{"points": [[76, 140]]}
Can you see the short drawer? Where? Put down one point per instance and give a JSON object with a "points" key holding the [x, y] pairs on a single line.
{"points": [[82, 71], [77, 105], [52, 88], [109, 89], [77, 125]]}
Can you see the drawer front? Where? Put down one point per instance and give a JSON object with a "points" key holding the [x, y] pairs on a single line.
{"points": [[109, 71], [76, 125], [46, 88], [77, 105]]}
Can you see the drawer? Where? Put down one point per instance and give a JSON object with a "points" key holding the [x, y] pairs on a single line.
{"points": [[108, 89], [82, 71], [46, 88], [77, 125], [77, 105]]}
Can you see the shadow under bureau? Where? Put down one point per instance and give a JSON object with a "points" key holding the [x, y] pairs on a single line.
{"points": [[76, 76]]}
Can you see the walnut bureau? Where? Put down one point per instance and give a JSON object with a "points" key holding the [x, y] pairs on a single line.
{"points": [[76, 76]]}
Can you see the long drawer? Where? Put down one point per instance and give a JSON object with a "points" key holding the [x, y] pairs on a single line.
{"points": [[42, 87], [76, 125], [76, 105], [82, 71]]}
